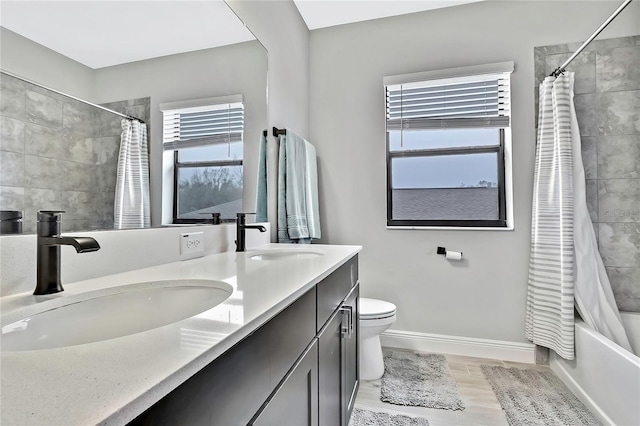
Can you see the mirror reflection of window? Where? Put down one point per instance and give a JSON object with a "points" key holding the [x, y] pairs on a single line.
{"points": [[206, 137]]}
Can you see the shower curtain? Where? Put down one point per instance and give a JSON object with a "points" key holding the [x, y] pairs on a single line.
{"points": [[565, 264], [132, 207]]}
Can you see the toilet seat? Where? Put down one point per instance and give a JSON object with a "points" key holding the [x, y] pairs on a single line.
{"points": [[372, 309]]}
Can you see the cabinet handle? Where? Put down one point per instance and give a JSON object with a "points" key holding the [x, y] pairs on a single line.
{"points": [[346, 329]]}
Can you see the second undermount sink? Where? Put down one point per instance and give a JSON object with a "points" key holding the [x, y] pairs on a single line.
{"points": [[285, 254], [123, 311]]}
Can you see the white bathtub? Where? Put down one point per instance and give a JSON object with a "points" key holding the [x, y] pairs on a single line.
{"points": [[604, 376]]}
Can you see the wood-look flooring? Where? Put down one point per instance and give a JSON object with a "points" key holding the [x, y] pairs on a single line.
{"points": [[481, 405]]}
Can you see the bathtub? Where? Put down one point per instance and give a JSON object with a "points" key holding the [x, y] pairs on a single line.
{"points": [[604, 376]]}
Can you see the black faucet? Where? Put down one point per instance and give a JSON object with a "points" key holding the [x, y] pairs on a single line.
{"points": [[215, 218], [241, 226], [49, 242]]}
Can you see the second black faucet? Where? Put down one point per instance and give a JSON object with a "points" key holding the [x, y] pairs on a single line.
{"points": [[241, 227]]}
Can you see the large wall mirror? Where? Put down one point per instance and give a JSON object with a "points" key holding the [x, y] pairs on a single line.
{"points": [[60, 153]]}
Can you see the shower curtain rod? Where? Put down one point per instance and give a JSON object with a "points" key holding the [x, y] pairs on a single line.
{"points": [[130, 117], [561, 68]]}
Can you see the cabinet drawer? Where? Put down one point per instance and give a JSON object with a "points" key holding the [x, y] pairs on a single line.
{"points": [[332, 290]]}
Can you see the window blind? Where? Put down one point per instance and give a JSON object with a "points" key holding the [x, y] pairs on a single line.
{"points": [[203, 125], [460, 102]]}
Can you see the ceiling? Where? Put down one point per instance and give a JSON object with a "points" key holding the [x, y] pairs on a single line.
{"points": [[328, 13], [102, 33]]}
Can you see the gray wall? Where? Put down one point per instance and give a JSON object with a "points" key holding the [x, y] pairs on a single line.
{"points": [[35, 62], [484, 296], [607, 98], [57, 153], [228, 70], [279, 26]]}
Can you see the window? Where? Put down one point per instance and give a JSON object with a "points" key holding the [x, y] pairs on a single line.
{"points": [[448, 140], [205, 137]]}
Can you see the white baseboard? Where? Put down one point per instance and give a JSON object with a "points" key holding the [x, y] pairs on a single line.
{"points": [[559, 369], [457, 345]]}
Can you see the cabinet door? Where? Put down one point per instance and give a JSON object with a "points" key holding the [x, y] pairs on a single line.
{"points": [[338, 363], [351, 348], [295, 401], [330, 388]]}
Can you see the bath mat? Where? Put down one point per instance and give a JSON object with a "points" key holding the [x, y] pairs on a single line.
{"points": [[420, 380], [371, 418], [533, 397]]}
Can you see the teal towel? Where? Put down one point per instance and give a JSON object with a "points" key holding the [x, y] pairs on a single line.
{"points": [[311, 180], [261, 196], [283, 234], [298, 214]]}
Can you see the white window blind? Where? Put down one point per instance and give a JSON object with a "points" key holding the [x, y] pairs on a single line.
{"points": [[202, 125], [459, 102]]}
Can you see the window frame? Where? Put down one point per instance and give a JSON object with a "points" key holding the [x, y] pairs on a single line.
{"points": [[499, 149], [177, 165], [503, 149], [173, 146]]}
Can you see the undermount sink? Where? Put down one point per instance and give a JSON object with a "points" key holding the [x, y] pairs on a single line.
{"points": [[123, 311], [285, 254]]}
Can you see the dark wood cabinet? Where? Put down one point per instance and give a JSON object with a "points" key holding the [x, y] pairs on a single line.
{"points": [[295, 401], [300, 368], [351, 375], [330, 350], [333, 290], [338, 363], [231, 389]]}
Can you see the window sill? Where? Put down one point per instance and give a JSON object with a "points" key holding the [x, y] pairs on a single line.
{"points": [[451, 228]]}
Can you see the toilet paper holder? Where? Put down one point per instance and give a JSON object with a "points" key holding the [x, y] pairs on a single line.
{"points": [[443, 251]]}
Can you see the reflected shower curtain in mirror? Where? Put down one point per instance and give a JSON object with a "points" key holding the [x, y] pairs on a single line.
{"points": [[132, 207], [564, 264]]}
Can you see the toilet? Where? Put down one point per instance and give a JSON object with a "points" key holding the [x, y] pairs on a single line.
{"points": [[375, 317]]}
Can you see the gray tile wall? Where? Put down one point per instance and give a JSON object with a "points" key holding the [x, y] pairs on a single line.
{"points": [[607, 99], [57, 153]]}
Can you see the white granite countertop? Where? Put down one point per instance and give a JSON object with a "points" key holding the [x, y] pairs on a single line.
{"points": [[111, 382]]}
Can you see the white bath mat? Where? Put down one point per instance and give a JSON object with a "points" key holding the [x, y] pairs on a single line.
{"points": [[536, 398], [361, 417], [419, 380]]}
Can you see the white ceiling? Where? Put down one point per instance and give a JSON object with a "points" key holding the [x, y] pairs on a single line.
{"points": [[102, 33], [327, 13]]}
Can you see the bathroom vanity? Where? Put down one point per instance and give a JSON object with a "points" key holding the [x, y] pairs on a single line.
{"points": [[281, 349], [300, 368]]}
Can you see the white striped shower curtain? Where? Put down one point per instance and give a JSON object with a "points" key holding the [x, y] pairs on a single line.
{"points": [[131, 206], [565, 264]]}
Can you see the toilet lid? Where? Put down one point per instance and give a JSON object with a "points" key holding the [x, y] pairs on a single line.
{"points": [[374, 308]]}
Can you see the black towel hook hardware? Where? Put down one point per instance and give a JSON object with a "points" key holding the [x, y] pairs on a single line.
{"points": [[277, 132]]}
